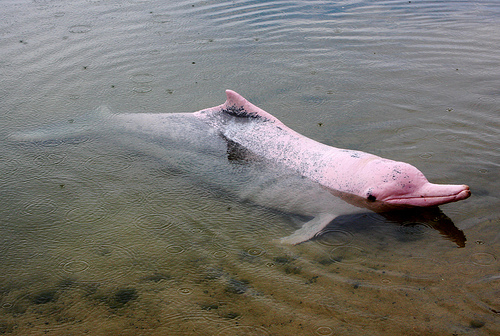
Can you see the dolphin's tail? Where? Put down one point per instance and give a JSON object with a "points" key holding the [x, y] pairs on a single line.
{"points": [[71, 129]]}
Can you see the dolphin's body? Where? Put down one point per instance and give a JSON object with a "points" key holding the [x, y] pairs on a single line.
{"points": [[294, 174], [359, 178]]}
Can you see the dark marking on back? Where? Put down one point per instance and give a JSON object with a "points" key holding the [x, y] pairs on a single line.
{"points": [[240, 112]]}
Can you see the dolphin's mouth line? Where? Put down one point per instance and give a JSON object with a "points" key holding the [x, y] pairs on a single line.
{"points": [[462, 194], [422, 197]]}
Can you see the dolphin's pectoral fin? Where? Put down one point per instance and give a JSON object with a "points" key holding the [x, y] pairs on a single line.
{"points": [[235, 151], [309, 229]]}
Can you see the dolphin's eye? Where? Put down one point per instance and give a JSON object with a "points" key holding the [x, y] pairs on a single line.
{"points": [[371, 198]]}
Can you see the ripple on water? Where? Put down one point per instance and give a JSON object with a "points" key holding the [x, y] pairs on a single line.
{"points": [[353, 313], [244, 331], [142, 82], [142, 88], [426, 155], [324, 331], [142, 78], [42, 208], [420, 268], [180, 197], [130, 195], [8, 166], [315, 99], [89, 212], [483, 259], [95, 262], [119, 198], [400, 227], [21, 209], [109, 163], [334, 237], [191, 324], [485, 293], [220, 254], [264, 264], [185, 291], [75, 266], [173, 236], [348, 255], [410, 232], [60, 188], [256, 251], [156, 221], [412, 133], [79, 29], [61, 306], [175, 249], [445, 137], [161, 18], [17, 251], [49, 159]]}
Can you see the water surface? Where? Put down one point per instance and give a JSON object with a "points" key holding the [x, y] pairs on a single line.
{"points": [[99, 238]]}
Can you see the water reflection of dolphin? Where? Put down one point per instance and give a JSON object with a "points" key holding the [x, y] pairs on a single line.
{"points": [[431, 217], [246, 150], [404, 225]]}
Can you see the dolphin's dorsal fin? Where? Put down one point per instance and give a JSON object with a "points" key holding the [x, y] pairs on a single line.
{"points": [[237, 106]]}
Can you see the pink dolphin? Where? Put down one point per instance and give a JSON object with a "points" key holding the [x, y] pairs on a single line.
{"points": [[360, 178], [337, 181]]}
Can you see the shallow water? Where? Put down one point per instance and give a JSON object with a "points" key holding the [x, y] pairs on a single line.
{"points": [[99, 238]]}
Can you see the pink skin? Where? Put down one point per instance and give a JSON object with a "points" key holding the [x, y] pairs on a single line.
{"points": [[381, 184]]}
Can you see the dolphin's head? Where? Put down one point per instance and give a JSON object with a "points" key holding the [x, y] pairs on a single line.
{"points": [[400, 184]]}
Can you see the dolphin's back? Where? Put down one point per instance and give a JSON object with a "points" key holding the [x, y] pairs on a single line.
{"points": [[237, 107]]}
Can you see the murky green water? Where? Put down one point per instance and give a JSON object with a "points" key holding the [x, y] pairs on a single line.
{"points": [[100, 235]]}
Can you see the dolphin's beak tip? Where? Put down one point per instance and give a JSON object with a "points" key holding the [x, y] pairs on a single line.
{"points": [[466, 192]]}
